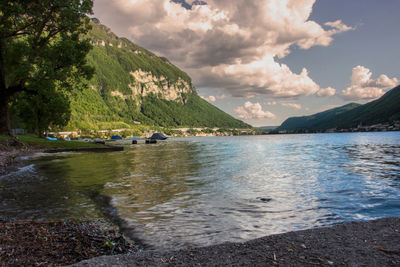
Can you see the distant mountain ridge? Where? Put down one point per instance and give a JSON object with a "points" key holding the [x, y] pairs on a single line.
{"points": [[133, 86], [384, 109]]}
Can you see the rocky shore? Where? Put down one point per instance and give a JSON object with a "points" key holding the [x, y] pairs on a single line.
{"points": [[370, 243], [33, 243], [10, 154]]}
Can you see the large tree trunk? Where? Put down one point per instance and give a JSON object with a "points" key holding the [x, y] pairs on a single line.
{"points": [[5, 127]]}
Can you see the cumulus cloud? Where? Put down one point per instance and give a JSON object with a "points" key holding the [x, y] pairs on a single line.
{"points": [[253, 110], [210, 98], [363, 87], [292, 105], [226, 44], [329, 91]]}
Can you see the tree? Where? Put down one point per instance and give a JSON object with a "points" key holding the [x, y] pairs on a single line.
{"points": [[41, 48], [47, 107]]}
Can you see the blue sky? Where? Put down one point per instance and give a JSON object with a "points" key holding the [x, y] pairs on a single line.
{"points": [[264, 61]]}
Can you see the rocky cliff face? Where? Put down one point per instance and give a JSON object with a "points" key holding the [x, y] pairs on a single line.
{"points": [[145, 83], [144, 79]]}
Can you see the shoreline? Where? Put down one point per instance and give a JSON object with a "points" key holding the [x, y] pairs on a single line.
{"points": [[10, 155], [55, 243], [58, 243], [361, 243], [367, 243]]}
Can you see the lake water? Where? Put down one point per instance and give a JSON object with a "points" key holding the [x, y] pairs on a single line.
{"points": [[202, 191]]}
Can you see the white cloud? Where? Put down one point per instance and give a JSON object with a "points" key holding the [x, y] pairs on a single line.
{"points": [[271, 103], [338, 26], [364, 87], [210, 98], [264, 76], [292, 105], [253, 110], [226, 44], [329, 91]]}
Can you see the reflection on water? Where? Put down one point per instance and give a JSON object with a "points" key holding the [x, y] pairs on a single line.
{"points": [[200, 191]]}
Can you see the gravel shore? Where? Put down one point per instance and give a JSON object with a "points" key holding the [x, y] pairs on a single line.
{"points": [[34, 243], [370, 243]]}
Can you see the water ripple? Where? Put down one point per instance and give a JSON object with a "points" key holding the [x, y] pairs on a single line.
{"points": [[201, 191]]}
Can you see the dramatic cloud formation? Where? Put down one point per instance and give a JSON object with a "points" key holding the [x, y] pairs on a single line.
{"points": [[327, 92], [210, 98], [363, 87], [226, 44], [292, 105], [253, 110]]}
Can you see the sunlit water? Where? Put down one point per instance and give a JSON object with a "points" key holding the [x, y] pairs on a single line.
{"points": [[201, 191]]}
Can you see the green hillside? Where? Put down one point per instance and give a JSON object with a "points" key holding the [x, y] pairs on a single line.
{"points": [[318, 121], [132, 85], [384, 109]]}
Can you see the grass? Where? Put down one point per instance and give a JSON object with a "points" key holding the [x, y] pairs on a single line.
{"points": [[36, 142]]}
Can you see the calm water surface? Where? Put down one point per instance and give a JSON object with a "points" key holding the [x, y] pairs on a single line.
{"points": [[201, 191]]}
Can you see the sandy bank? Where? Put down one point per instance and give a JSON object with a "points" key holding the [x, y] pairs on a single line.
{"points": [[370, 243]]}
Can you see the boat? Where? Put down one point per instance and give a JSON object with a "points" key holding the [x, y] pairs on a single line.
{"points": [[158, 136], [116, 137]]}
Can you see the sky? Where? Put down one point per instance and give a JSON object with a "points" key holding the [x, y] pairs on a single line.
{"points": [[266, 60]]}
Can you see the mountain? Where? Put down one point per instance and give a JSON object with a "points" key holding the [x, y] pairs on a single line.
{"points": [[384, 109], [133, 86], [318, 121]]}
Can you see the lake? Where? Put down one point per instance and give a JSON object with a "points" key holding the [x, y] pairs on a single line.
{"points": [[202, 191]]}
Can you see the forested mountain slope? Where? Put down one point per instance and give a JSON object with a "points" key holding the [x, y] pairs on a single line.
{"points": [[384, 109], [132, 85]]}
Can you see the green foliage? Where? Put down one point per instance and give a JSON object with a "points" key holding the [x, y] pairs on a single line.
{"points": [[192, 131], [111, 103], [384, 109], [207, 130], [45, 108], [127, 56], [195, 113], [41, 46], [36, 142]]}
